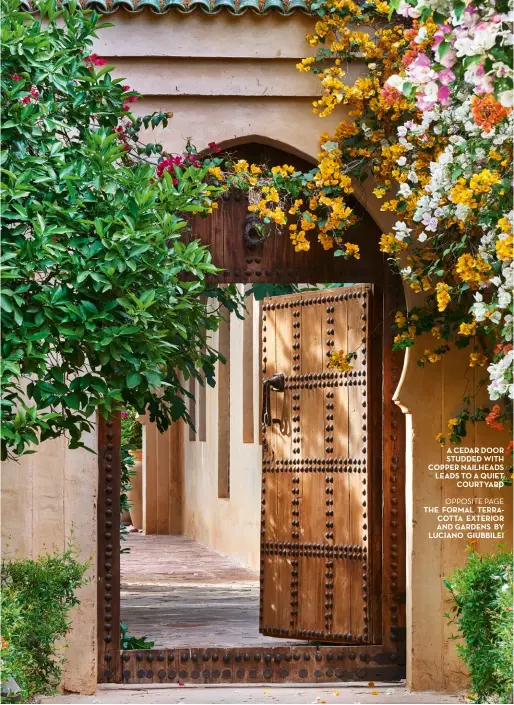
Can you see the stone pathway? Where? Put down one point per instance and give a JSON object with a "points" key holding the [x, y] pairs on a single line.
{"points": [[177, 592], [379, 694]]}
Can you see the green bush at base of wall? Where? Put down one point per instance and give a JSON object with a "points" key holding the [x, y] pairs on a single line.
{"points": [[37, 596], [482, 597]]}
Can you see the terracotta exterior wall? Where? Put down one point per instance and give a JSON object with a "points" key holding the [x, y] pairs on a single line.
{"points": [[224, 78], [46, 499], [431, 396]]}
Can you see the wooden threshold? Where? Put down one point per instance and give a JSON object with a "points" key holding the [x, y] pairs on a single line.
{"points": [[281, 664]]}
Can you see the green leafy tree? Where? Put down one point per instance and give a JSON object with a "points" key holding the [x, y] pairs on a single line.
{"points": [[104, 301]]}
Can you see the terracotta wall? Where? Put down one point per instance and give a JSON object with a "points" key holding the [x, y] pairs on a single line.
{"points": [[46, 499], [431, 396], [225, 78]]}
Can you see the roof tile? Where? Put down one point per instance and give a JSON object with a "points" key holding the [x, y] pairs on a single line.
{"points": [[210, 7]]}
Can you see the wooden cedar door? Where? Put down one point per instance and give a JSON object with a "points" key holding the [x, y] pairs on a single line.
{"points": [[318, 575]]}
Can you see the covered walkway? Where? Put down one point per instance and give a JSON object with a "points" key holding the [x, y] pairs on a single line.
{"points": [[179, 593]]}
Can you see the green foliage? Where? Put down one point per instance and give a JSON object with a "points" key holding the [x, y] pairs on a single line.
{"points": [[482, 598], [36, 599], [131, 429], [131, 439], [132, 643], [102, 297]]}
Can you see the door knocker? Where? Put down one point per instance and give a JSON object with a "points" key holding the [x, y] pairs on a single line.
{"points": [[252, 232]]}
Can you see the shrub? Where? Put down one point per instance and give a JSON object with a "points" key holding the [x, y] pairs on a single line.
{"points": [[37, 596], [482, 610]]}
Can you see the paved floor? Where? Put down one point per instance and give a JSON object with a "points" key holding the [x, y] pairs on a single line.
{"points": [[378, 694], [177, 592]]}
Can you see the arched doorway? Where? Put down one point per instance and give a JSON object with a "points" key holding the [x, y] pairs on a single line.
{"points": [[245, 258]]}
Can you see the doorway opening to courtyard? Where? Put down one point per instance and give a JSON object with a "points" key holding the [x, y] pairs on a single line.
{"points": [[273, 544]]}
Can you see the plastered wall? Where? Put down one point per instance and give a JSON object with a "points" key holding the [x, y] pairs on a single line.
{"points": [[225, 79], [46, 499], [229, 525], [431, 396]]}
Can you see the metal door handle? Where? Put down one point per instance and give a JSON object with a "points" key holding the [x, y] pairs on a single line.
{"points": [[276, 383]]}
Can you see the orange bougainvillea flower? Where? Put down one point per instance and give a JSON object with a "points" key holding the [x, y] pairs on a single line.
{"points": [[492, 418], [488, 112], [5, 643]]}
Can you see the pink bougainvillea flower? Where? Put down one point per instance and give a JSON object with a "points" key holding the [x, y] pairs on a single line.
{"points": [[130, 98], [420, 71], [449, 58], [446, 76], [15, 77], [427, 97], [408, 11], [443, 95], [440, 34], [124, 415], [215, 147]]}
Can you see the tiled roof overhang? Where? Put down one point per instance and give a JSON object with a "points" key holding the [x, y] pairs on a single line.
{"points": [[209, 7]]}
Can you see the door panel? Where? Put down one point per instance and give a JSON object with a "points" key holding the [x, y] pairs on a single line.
{"points": [[317, 568]]}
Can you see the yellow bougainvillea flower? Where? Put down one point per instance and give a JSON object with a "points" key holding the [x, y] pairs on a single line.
{"points": [[352, 250], [241, 166], [483, 182], [473, 270], [468, 328], [442, 295], [340, 361], [390, 244], [400, 320], [505, 248], [477, 359]]}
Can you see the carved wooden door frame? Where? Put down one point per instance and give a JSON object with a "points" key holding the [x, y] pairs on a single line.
{"points": [[274, 261], [386, 658], [108, 557]]}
